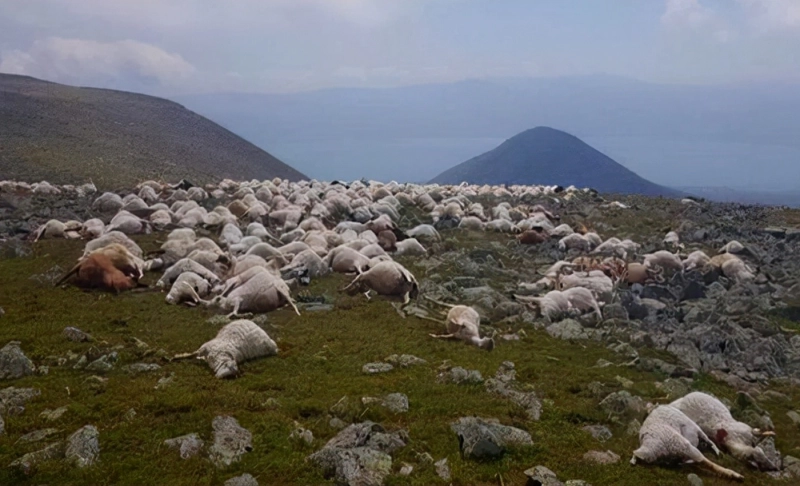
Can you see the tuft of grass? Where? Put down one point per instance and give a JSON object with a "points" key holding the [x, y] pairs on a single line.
{"points": [[319, 363]]}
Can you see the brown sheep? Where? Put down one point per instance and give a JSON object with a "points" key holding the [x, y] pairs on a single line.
{"points": [[387, 240], [533, 237], [98, 271]]}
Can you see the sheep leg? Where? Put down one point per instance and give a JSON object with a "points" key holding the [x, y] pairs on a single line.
{"points": [[236, 305], [184, 356], [288, 298], [443, 336], [721, 471], [366, 294]]}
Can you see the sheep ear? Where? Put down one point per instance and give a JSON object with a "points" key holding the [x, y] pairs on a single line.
{"points": [[720, 436]]}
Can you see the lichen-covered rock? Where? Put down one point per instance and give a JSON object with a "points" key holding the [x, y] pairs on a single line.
{"points": [[142, 367], [542, 476], [231, 441], [374, 368], [243, 480], [27, 463], [104, 363], [442, 469], [189, 445], [600, 457], [75, 335], [623, 405], [83, 447], [13, 400], [36, 435], [599, 432], [405, 360], [13, 362], [461, 376], [396, 402], [568, 329], [486, 438]]}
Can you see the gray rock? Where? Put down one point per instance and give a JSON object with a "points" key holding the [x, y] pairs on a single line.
{"points": [[406, 470], [142, 367], [675, 388], [542, 476], [76, 335], [337, 423], [104, 363], [373, 368], [615, 311], [600, 457], [165, 381], [623, 405], [694, 480], [576, 482], [368, 434], [27, 463], [794, 417], [36, 436], [13, 400], [360, 466], [189, 445], [461, 376], [301, 434], [527, 400], [772, 453], [487, 438], [599, 432], [405, 360], [792, 465], [243, 480], [568, 329], [2, 426], [83, 447], [231, 441], [396, 402], [443, 469], [13, 362]]}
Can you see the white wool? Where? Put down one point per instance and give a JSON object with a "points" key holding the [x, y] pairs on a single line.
{"points": [[236, 343]]}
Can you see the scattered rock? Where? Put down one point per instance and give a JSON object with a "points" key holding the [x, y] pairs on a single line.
{"points": [[13, 400], [487, 438], [623, 405], [772, 453], [76, 335], [443, 469], [406, 470], [36, 436], [189, 445], [373, 368], [396, 402], [83, 447], [461, 376], [792, 465], [794, 416], [27, 463], [104, 363], [165, 381], [568, 329], [405, 360], [542, 476], [600, 457], [243, 480], [337, 423], [527, 400], [13, 362], [231, 441], [599, 432], [301, 434], [142, 367], [626, 383], [694, 480]]}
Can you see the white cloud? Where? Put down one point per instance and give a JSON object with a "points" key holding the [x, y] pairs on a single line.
{"points": [[692, 16], [87, 61], [772, 15]]}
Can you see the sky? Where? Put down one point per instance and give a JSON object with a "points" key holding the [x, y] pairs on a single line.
{"points": [[174, 47]]}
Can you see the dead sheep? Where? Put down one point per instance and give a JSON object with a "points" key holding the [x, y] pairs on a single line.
{"points": [[387, 240], [343, 259], [247, 262], [111, 238], [237, 342], [668, 435], [557, 304], [595, 280], [244, 245], [463, 323], [732, 267], [471, 223], [664, 259], [424, 231], [92, 228], [257, 230], [618, 248], [671, 240], [111, 268], [502, 226], [56, 229], [185, 265], [180, 289], [373, 250], [532, 237], [254, 290], [230, 235], [308, 259], [638, 273], [696, 259], [387, 278], [410, 247], [576, 241], [108, 202], [716, 421], [128, 223], [264, 250]]}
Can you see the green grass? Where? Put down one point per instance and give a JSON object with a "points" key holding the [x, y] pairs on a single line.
{"points": [[320, 359]]}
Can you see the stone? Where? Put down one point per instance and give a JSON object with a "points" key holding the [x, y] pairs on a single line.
{"points": [[794, 416], [396, 402], [189, 445], [600, 457], [406, 470], [243, 480], [83, 447], [772, 453], [27, 463], [301, 434], [405, 360], [13, 362], [231, 441], [13, 400], [625, 382], [337, 423], [104, 363], [623, 405], [633, 427], [792, 466], [599, 432], [165, 381], [576, 482], [142, 367], [443, 469], [675, 388], [461, 376], [75, 335], [36, 436], [615, 311], [542, 476], [373, 368], [568, 329], [486, 438], [52, 415], [694, 480], [527, 400]]}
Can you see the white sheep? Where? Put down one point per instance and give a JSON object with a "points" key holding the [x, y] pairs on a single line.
{"points": [[696, 259], [180, 289], [732, 267], [236, 343], [185, 265], [664, 259], [410, 247], [387, 278], [344, 259], [596, 281], [716, 420], [424, 231], [668, 435], [56, 229], [463, 323], [559, 303], [254, 290]]}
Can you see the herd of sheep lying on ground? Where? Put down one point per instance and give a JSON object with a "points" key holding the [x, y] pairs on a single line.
{"points": [[275, 235]]}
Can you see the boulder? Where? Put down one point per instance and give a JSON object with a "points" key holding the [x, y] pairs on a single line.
{"points": [[13, 362], [486, 438], [231, 441]]}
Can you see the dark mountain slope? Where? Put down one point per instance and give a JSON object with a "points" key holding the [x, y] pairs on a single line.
{"points": [[67, 134], [544, 155]]}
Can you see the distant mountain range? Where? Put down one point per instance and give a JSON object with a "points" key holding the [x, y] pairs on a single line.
{"points": [[544, 155], [67, 134], [723, 135]]}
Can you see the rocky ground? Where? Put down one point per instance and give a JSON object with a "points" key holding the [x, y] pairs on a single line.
{"points": [[360, 394]]}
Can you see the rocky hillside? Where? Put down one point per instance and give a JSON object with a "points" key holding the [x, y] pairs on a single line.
{"points": [[66, 134], [93, 390], [544, 155]]}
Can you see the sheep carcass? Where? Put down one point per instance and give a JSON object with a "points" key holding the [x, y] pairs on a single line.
{"points": [[716, 420], [254, 290], [180, 289], [668, 435], [112, 267], [387, 278], [235, 343], [463, 323], [664, 259], [732, 267]]}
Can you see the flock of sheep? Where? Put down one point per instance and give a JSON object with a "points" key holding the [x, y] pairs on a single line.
{"points": [[274, 236]]}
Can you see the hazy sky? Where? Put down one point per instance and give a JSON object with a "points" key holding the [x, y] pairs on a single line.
{"points": [[189, 46]]}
